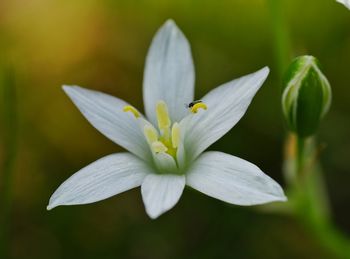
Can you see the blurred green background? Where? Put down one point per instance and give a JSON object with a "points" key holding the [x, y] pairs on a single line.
{"points": [[102, 44]]}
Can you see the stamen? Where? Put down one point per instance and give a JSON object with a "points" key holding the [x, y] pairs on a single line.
{"points": [[129, 108], [175, 135], [151, 133], [197, 106], [159, 147], [162, 115]]}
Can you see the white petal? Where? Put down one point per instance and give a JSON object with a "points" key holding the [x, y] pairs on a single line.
{"points": [[169, 73], [346, 3], [100, 180], [233, 180], [160, 192], [106, 114], [226, 106], [165, 163], [181, 157]]}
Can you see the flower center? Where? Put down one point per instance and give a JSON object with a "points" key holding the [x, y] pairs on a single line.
{"points": [[169, 135], [167, 139]]}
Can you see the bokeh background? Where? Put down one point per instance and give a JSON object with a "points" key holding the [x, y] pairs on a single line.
{"points": [[102, 44]]}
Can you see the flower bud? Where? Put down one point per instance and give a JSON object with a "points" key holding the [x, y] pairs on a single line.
{"points": [[306, 96]]}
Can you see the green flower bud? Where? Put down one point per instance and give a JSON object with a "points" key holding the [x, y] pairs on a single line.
{"points": [[306, 96]]}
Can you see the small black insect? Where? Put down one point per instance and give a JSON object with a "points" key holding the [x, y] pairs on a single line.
{"points": [[191, 104]]}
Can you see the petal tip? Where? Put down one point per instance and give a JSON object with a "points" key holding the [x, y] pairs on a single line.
{"points": [[170, 28], [160, 193], [149, 211], [279, 195], [153, 215], [68, 88], [71, 87], [74, 90], [50, 206], [54, 201], [283, 198], [264, 71], [170, 23], [261, 75]]}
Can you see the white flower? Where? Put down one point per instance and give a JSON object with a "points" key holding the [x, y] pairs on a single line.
{"points": [[166, 150], [346, 3]]}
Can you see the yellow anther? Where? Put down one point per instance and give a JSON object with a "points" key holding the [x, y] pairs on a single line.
{"points": [[151, 133], [175, 135], [162, 115], [129, 108], [195, 107], [159, 147]]}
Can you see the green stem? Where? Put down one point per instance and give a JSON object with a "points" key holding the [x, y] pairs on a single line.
{"points": [[327, 235], [300, 158], [280, 35], [9, 115], [311, 203]]}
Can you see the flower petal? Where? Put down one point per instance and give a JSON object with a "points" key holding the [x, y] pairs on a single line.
{"points": [[169, 73], [346, 3], [226, 106], [181, 157], [160, 192], [106, 114], [165, 163], [100, 180], [233, 180]]}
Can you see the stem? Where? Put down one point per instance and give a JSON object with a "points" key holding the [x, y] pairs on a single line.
{"points": [[310, 200], [280, 35], [10, 149], [300, 158], [326, 234]]}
